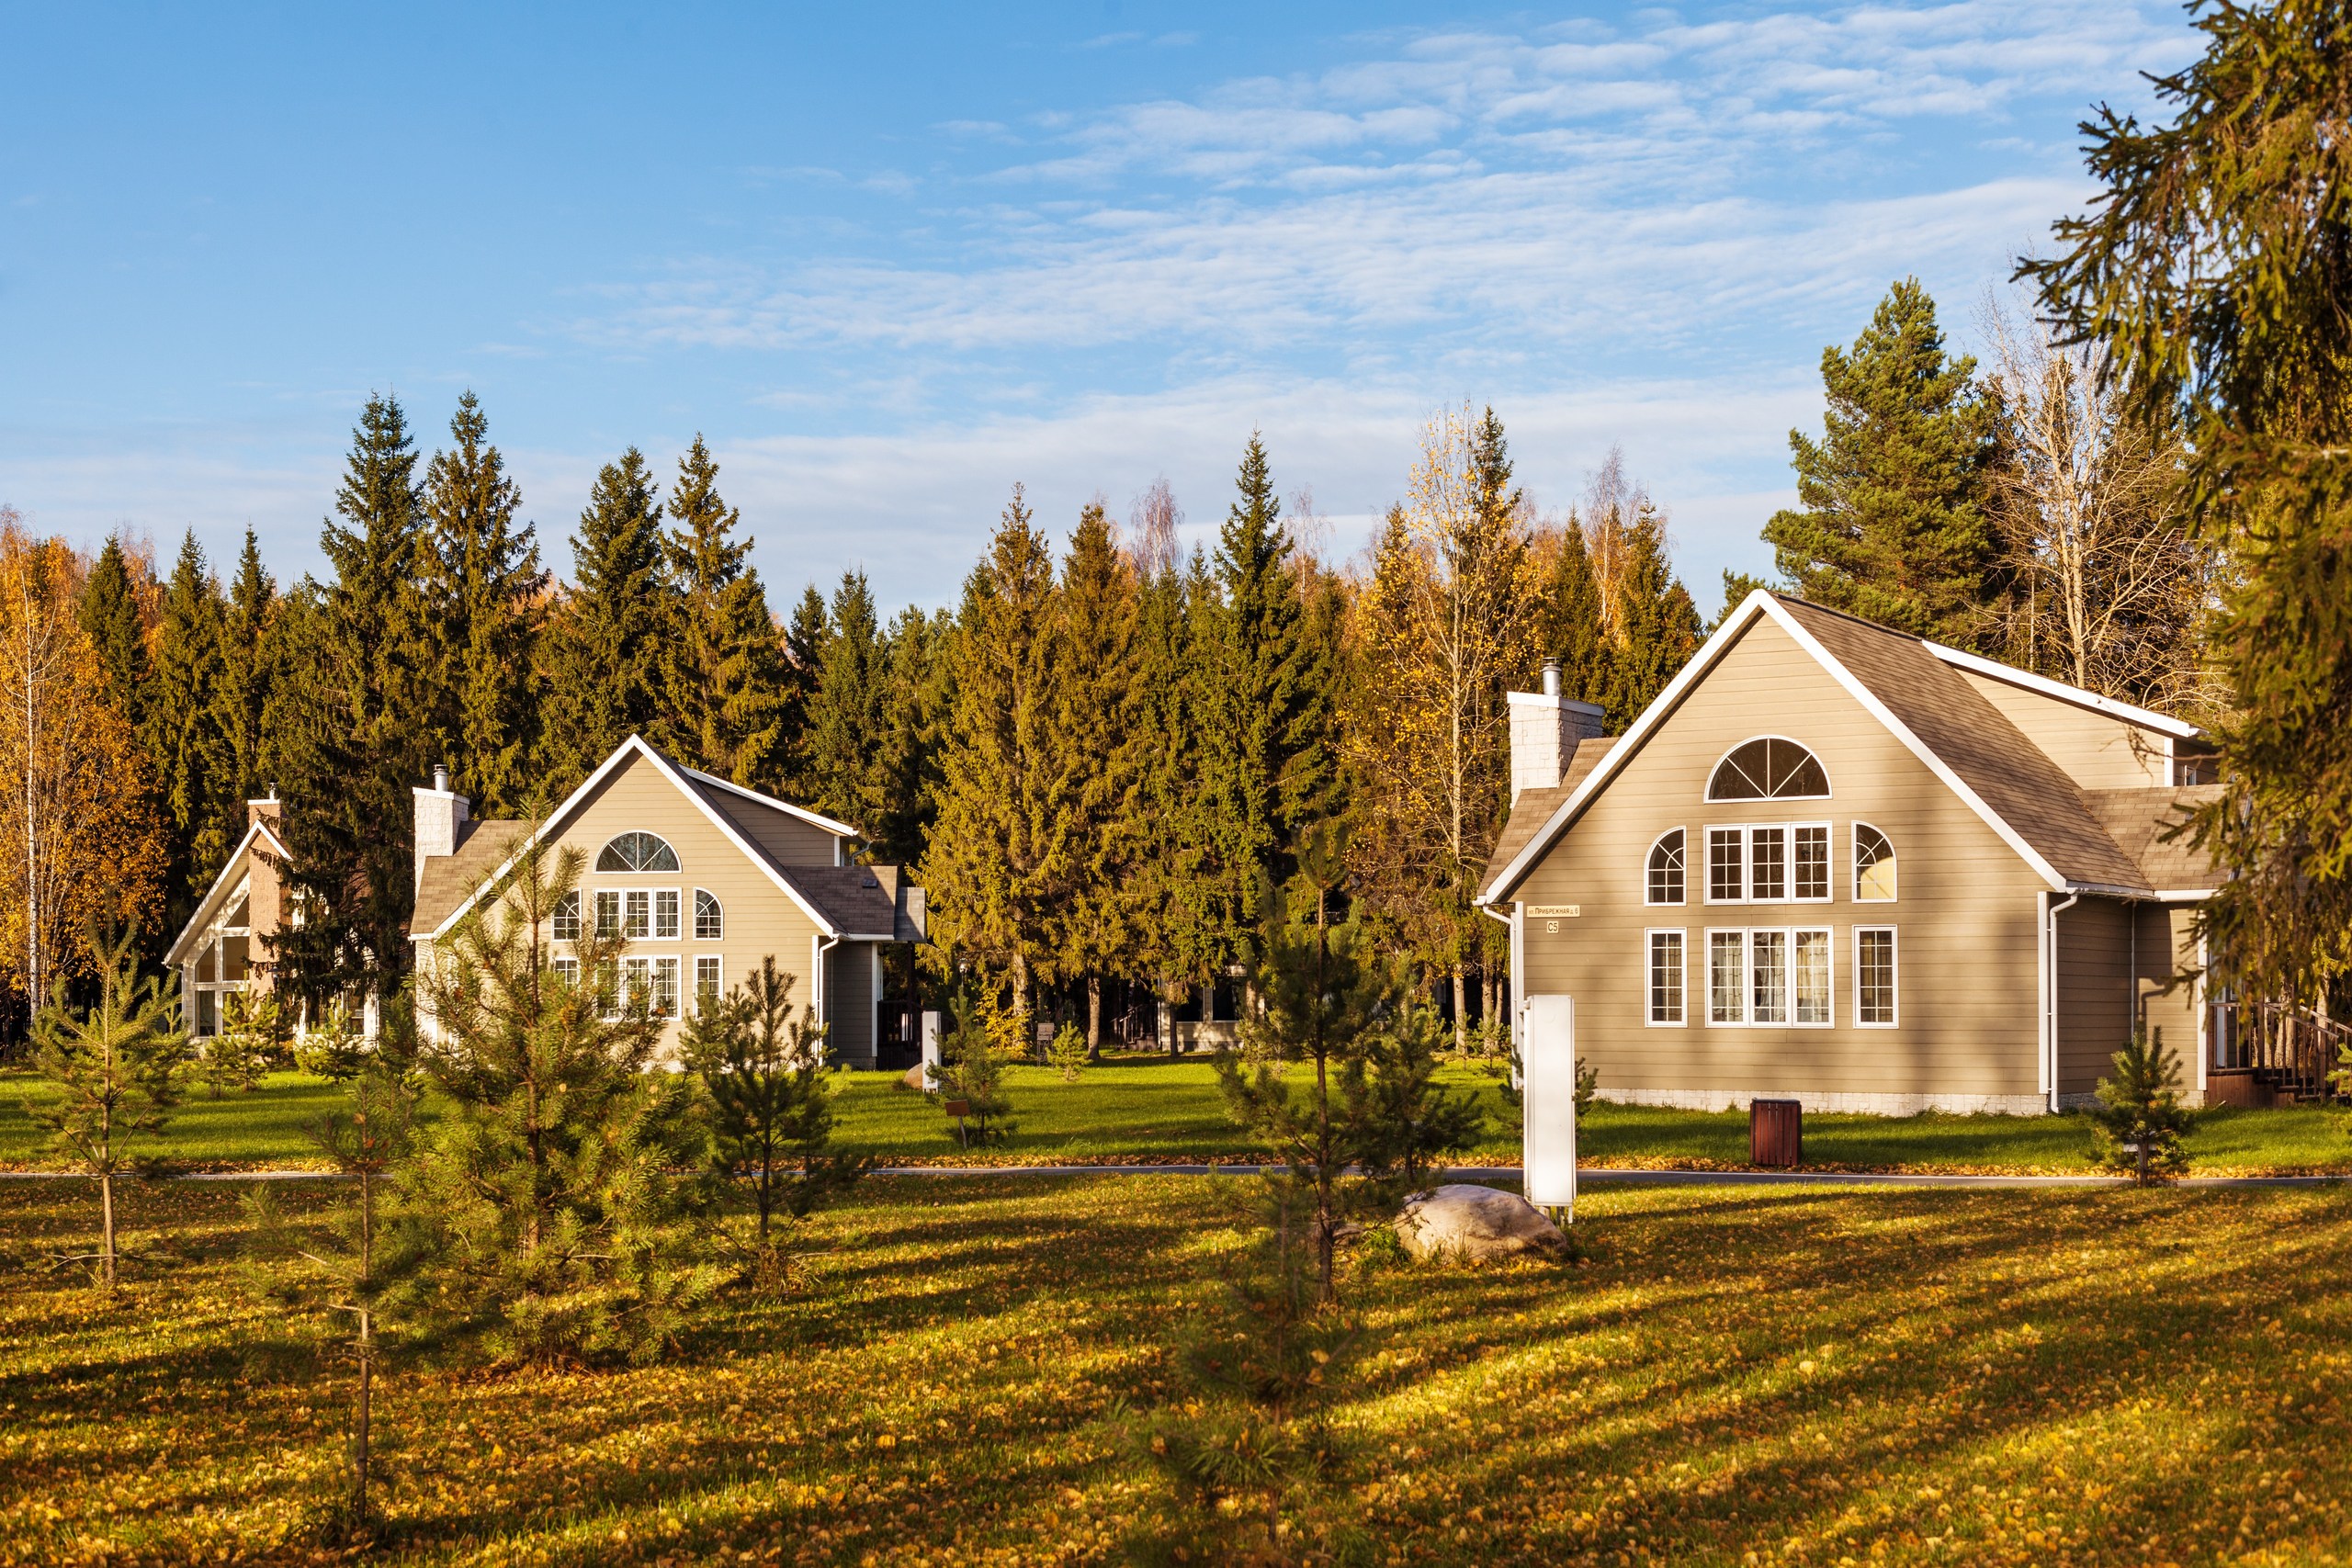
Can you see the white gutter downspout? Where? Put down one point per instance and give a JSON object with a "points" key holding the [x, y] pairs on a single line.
{"points": [[819, 947], [2049, 946]]}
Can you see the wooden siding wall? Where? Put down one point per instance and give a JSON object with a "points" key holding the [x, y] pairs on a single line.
{"points": [[2094, 990], [1966, 911], [2095, 751], [761, 918], [787, 839], [2168, 948]]}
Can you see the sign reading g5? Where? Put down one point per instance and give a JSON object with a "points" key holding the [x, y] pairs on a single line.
{"points": [[1553, 914]]}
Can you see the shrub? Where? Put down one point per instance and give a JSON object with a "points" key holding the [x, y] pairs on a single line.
{"points": [[2138, 1121]]}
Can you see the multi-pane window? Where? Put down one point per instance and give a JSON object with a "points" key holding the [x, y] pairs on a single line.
{"points": [[665, 914], [566, 921], [1665, 976], [1874, 976], [709, 981], [568, 969], [665, 987], [710, 921], [636, 851], [637, 983], [1770, 864], [1768, 768], [1813, 863], [1726, 866], [1664, 879], [1873, 866], [608, 915], [608, 988], [638, 922], [1726, 977], [1809, 978], [1769, 976]]}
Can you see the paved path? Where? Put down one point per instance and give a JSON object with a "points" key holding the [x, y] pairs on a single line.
{"points": [[1587, 1177]]}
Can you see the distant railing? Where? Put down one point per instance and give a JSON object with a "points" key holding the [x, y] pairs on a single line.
{"points": [[2288, 1048]]}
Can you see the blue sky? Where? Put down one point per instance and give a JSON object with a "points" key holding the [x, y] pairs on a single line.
{"points": [[893, 260]]}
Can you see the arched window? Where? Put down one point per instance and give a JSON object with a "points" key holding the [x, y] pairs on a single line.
{"points": [[1768, 768], [1873, 866], [1665, 872], [710, 921], [637, 852]]}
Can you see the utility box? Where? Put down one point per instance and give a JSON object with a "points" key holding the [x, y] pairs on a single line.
{"points": [[1776, 1133]]}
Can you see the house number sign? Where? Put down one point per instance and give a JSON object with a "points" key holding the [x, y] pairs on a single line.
{"points": [[1553, 914]]}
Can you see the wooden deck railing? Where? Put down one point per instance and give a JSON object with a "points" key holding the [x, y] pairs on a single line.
{"points": [[2289, 1049]]}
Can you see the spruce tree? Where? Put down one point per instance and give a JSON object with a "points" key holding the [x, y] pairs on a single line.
{"points": [[1568, 605], [725, 703], [844, 743], [1267, 771], [914, 678], [194, 768], [353, 725], [605, 643], [484, 594], [1100, 746], [249, 660], [806, 639], [1892, 525], [995, 862], [1661, 626], [112, 614]]}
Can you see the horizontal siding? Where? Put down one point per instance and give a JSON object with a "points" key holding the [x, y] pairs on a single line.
{"points": [[761, 918], [849, 1000], [2168, 949], [787, 839], [2094, 990], [1965, 914], [2096, 751]]}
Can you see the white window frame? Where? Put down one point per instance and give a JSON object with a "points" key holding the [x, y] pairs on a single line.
{"points": [[633, 970], [567, 969], [1717, 766], [612, 991], [677, 914], [1895, 983], [1828, 862], [718, 970], [1707, 888], [1681, 935], [717, 904], [568, 903], [662, 1000], [1708, 971], [1650, 853], [1747, 992], [1747, 832], [1854, 861], [612, 932], [636, 926]]}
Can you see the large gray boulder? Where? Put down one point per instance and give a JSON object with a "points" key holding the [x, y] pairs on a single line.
{"points": [[1476, 1224]]}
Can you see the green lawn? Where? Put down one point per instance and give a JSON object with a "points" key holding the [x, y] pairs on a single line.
{"points": [[1146, 1108], [1735, 1378]]}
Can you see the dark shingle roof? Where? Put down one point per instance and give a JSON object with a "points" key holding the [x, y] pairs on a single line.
{"points": [[851, 897], [1530, 811], [2137, 819], [450, 878]]}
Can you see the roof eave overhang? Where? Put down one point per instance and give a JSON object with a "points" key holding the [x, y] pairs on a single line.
{"points": [[1993, 669], [175, 956], [1758, 603]]}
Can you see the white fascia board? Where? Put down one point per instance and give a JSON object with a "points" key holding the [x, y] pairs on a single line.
{"points": [[1759, 602], [1626, 744], [841, 829], [2180, 729], [634, 744], [2182, 895], [221, 885]]}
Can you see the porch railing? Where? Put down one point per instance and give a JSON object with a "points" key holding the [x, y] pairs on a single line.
{"points": [[2290, 1051]]}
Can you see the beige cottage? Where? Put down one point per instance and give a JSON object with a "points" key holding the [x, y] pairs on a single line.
{"points": [[222, 952], [701, 877], [1839, 863]]}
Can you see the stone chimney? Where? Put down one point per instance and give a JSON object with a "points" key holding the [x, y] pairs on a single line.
{"points": [[1544, 729], [440, 820], [265, 893]]}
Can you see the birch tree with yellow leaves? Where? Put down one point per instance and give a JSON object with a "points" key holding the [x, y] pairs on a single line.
{"points": [[1447, 625]]}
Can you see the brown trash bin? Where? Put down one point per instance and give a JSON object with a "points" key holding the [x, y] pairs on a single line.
{"points": [[1776, 1133]]}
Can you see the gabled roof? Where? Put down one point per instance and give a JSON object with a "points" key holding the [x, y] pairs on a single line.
{"points": [[1916, 690], [694, 786], [449, 880], [223, 885]]}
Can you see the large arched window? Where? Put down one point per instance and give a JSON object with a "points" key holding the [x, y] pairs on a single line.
{"points": [[1873, 866], [1768, 768], [637, 852], [1663, 884]]}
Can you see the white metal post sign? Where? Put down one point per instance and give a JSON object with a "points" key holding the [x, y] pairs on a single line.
{"points": [[1547, 1058]]}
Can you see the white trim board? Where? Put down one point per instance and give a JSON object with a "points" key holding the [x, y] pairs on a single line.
{"points": [[257, 830]]}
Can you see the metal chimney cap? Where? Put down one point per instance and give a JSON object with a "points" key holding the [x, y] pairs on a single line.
{"points": [[441, 777], [1551, 677]]}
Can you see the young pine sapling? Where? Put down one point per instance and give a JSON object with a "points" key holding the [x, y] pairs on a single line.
{"points": [[2138, 1121], [971, 1073], [116, 1069]]}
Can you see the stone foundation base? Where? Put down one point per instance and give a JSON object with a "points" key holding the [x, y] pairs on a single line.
{"points": [[1820, 1103]]}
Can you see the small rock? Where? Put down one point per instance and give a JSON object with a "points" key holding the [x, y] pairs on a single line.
{"points": [[914, 1077], [1476, 1224]]}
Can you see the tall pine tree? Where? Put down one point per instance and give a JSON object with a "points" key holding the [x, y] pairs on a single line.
{"points": [[111, 612], [354, 719], [194, 769], [484, 596], [249, 659], [806, 638], [726, 705], [604, 642], [1659, 622], [845, 722], [1893, 526], [996, 857]]}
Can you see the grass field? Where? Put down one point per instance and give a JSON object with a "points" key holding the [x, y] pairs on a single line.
{"points": [[1144, 1107], [1734, 1378]]}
